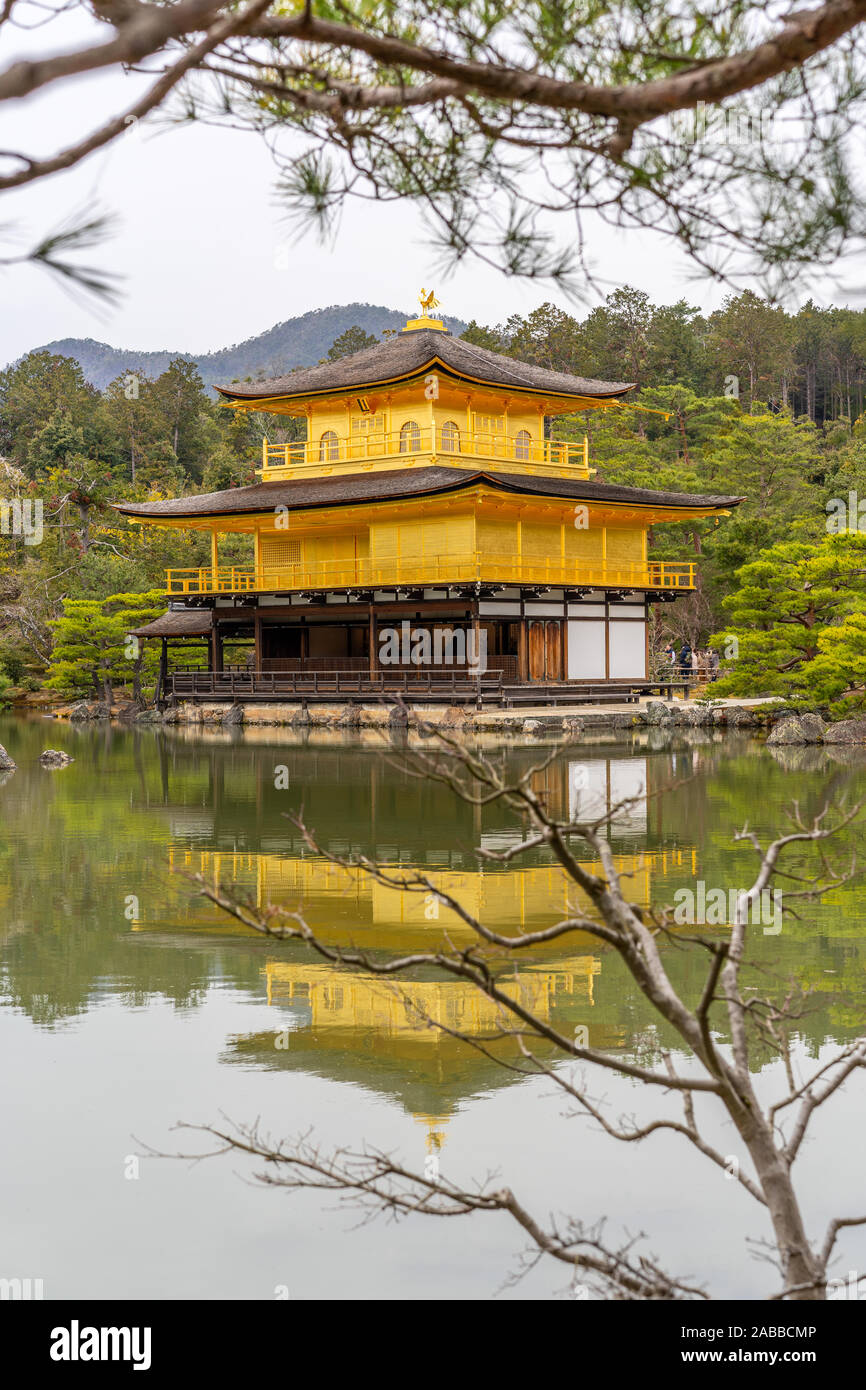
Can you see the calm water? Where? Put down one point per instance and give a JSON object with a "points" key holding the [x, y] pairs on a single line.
{"points": [[128, 1004]]}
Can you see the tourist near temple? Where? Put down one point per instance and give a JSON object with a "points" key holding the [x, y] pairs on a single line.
{"points": [[427, 538]]}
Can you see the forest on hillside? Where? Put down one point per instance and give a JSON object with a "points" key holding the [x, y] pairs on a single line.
{"points": [[812, 363], [759, 403]]}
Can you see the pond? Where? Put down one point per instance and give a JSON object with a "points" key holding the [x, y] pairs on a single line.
{"points": [[129, 1004]]}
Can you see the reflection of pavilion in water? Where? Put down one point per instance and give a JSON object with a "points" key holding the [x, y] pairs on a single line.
{"points": [[397, 1036], [403, 827], [344, 1023], [418, 1014], [410, 1025], [344, 903], [361, 800]]}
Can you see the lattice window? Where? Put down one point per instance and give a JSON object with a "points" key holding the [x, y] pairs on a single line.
{"points": [[280, 553], [523, 444]]}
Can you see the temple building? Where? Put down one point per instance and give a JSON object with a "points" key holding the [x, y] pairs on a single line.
{"points": [[428, 535]]}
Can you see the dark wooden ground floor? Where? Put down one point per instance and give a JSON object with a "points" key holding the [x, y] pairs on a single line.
{"points": [[499, 647]]}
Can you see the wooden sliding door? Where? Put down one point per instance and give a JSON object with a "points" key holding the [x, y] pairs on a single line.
{"points": [[545, 649]]}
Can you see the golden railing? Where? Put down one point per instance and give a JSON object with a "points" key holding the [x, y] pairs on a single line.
{"points": [[320, 457], [431, 572]]}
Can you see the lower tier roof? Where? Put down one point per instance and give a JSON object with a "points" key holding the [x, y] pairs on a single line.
{"points": [[187, 622], [397, 484]]}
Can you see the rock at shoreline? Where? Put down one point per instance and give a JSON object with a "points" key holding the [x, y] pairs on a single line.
{"points": [[701, 717], [350, 718], [55, 758], [740, 718], [846, 731], [455, 717], [656, 713], [532, 726], [234, 714], [7, 764], [797, 728], [86, 710]]}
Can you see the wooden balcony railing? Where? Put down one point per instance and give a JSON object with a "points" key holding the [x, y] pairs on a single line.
{"points": [[401, 447], [430, 682], [431, 572]]}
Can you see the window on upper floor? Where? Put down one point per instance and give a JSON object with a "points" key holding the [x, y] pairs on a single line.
{"points": [[523, 445], [277, 552], [410, 437], [450, 437], [365, 425], [329, 447], [489, 424]]}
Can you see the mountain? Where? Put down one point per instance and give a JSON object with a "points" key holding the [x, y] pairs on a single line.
{"points": [[299, 342]]}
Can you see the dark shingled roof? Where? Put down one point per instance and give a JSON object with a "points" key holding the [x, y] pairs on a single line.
{"points": [[399, 483], [408, 355], [192, 622]]}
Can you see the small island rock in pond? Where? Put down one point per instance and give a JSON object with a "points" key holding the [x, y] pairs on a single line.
{"points": [[7, 764], [54, 758]]}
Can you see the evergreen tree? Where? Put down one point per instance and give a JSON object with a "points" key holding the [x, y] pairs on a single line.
{"points": [[93, 648], [790, 608], [491, 338], [752, 342], [179, 401], [353, 339], [39, 388]]}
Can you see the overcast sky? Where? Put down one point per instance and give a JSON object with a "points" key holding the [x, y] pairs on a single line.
{"points": [[202, 247]]}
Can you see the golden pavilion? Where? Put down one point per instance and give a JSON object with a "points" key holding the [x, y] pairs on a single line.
{"points": [[426, 537]]}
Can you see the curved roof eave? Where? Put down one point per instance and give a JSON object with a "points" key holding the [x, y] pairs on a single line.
{"points": [[403, 485]]}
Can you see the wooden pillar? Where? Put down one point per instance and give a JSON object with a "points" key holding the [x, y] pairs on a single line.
{"points": [[257, 625], [216, 644], [214, 561], [372, 640], [163, 671], [523, 655]]}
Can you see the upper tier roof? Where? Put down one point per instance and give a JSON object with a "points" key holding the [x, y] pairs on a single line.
{"points": [[355, 488], [411, 353]]}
